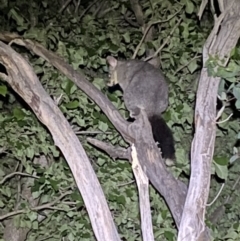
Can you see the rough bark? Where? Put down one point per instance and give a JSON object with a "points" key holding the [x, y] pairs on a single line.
{"points": [[220, 42], [144, 200], [23, 80], [173, 191]]}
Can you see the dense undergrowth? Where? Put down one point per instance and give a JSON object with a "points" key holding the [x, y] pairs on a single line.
{"points": [[84, 38]]}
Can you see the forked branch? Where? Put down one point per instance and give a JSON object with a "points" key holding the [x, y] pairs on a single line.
{"points": [[138, 132]]}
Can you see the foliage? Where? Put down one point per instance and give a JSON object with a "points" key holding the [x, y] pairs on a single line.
{"points": [[84, 39]]}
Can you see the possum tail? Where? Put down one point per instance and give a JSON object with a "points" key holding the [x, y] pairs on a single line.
{"points": [[163, 135]]}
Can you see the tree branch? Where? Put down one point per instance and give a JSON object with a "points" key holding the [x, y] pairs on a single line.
{"points": [[220, 42], [173, 191], [24, 81]]}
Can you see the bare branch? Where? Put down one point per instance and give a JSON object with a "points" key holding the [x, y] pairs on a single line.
{"points": [[165, 41], [37, 208], [148, 28], [14, 174], [112, 151], [139, 132], [220, 42], [137, 9], [143, 190], [23, 80]]}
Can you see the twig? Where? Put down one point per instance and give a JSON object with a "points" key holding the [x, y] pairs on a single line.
{"points": [[64, 6], [47, 205], [16, 173], [91, 132], [19, 186], [130, 21], [213, 201], [165, 42], [185, 65], [147, 29], [220, 122], [44, 206], [127, 183], [88, 8], [114, 152], [45, 238], [77, 6]]}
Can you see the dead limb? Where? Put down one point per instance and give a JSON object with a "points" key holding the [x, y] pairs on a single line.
{"points": [[220, 42], [24, 81], [138, 132]]}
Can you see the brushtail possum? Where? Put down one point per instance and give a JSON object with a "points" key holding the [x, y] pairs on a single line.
{"points": [[144, 87]]}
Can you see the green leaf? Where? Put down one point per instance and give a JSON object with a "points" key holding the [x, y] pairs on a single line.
{"points": [[68, 87], [35, 225], [113, 48], [223, 160], [86, 236], [72, 104], [14, 14], [234, 158], [70, 214], [237, 104], [99, 83], [29, 169], [236, 92], [126, 37], [54, 151], [18, 114], [2, 204], [71, 237], [42, 179], [102, 126], [189, 7], [193, 66], [101, 161], [169, 235], [30, 152], [36, 194], [45, 198], [221, 171], [54, 184], [80, 121], [32, 216], [3, 90], [231, 236], [121, 200], [129, 193]]}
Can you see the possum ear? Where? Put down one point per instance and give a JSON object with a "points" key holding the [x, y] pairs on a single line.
{"points": [[112, 61]]}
